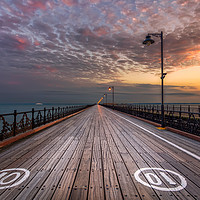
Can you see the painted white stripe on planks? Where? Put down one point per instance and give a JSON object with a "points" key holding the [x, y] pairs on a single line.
{"points": [[171, 143]]}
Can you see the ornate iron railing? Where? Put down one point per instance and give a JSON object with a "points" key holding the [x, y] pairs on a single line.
{"points": [[184, 118], [18, 122]]}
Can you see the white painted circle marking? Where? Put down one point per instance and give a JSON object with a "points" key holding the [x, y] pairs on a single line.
{"points": [[156, 183], [2, 181], [12, 177]]}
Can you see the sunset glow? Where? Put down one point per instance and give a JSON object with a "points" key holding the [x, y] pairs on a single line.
{"points": [[69, 50]]}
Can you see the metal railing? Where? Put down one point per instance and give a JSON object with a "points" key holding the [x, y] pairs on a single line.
{"points": [[18, 122], [185, 118]]}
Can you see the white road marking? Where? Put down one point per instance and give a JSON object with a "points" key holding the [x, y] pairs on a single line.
{"points": [[171, 143], [18, 175], [3, 182], [158, 185]]}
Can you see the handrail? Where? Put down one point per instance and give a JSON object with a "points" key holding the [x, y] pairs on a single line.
{"points": [[188, 121], [14, 123]]}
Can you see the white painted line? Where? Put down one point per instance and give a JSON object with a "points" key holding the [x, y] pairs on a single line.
{"points": [[171, 143], [158, 185]]}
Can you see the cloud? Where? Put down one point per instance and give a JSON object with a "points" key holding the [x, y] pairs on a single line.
{"points": [[95, 41], [70, 2]]}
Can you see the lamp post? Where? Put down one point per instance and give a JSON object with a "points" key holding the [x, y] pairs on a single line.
{"points": [[105, 95], [148, 41], [112, 88]]}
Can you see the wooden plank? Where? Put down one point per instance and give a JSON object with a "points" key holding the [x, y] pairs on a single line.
{"points": [[81, 183], [127, 186], [65, 185], [111, 184], [96, 186]]}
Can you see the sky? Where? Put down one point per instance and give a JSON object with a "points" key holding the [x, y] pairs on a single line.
{"points": [[71, 51]]}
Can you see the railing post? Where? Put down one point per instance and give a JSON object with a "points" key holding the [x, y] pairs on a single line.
{"points": [[180, 112], [52, 113], [33, 120], [15, 122], [58, 112], [199, 111], [44, 119]]}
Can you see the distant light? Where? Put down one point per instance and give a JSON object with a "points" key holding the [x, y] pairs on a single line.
{"points": [[109, 88]]}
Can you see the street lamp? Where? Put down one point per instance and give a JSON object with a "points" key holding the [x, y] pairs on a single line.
{"points": [[105, 95], [112, 88], [148, 41]]}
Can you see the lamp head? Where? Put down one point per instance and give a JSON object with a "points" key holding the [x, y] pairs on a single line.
{"points": [[109, 89], [148, 41]]}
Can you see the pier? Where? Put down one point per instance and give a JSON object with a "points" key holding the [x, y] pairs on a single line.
{"points": [[98, 154]]}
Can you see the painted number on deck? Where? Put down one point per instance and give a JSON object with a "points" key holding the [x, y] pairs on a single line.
{"points": [[160, 179], [12, 177]]}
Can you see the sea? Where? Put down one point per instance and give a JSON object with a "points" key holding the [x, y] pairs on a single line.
{"points": [[24, 107], [6, 108]]}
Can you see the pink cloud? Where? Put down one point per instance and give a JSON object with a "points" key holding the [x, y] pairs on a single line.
{"points": [[36, 43], [51, 69], [38, 67], [94, 1], [22, 43], [13, 83], [70, 2], [87, 32], [47, 68], [101, 31], [38, 4], [31, 6]]}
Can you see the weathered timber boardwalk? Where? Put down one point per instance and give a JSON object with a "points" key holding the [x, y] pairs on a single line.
{"points": [[101, 154]]}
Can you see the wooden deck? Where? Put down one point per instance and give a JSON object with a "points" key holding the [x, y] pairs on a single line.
{"points": [[101, 154]]}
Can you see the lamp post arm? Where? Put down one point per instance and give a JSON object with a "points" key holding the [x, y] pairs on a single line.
{"points": [[155, 34]]}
